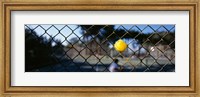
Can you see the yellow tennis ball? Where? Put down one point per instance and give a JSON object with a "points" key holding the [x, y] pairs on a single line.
{"points": [[120, 45]]}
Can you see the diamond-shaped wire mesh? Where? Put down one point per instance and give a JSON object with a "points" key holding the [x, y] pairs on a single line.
{"points": [[90, 48]]}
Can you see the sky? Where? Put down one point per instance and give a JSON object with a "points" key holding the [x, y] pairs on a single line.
{"points": [[67, 30]]}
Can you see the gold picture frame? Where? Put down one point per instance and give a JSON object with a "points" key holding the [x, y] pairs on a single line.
{"points": [[121, 5]]}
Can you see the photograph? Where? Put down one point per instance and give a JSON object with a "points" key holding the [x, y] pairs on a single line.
{"points": [[122, 48], [99, 48]]}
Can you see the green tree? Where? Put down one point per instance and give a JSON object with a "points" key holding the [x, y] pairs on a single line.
{"points": [[38, 50]]}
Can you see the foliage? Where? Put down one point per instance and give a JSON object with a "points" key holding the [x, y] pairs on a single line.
{"points": [[38, 50], [108, 32]]}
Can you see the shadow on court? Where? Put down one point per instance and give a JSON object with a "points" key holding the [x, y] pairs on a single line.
{"points": [[70, 66]]}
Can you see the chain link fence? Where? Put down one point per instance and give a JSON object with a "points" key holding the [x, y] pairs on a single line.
{"points": [[90, 48]]}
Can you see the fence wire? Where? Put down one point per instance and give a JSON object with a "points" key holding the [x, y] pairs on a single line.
{"points": [[90, 48]]}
